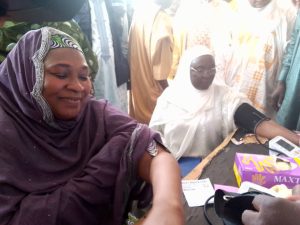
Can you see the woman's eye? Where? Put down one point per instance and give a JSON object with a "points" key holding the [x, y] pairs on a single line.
{"points": [[83, 77], [60, 75]]}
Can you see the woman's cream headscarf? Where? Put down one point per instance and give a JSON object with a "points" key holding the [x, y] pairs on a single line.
{"points": [[181, 92], [186, 99]]}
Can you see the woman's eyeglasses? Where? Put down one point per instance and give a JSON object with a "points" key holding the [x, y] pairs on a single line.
{"points": [[203, 70]]}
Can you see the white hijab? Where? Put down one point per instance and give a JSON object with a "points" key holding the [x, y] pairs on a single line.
{"points": [[181, 92], [188, 100]]}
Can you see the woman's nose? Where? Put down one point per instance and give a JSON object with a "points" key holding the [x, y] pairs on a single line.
{"points": [[75, 85], [207, 73]]}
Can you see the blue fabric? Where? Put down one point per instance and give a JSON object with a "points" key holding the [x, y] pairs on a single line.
{"points": [[289, 112], [187, 164]]}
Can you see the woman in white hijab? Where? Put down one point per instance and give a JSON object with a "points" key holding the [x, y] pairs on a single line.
{"points": [[194, 115], [191, 121]]}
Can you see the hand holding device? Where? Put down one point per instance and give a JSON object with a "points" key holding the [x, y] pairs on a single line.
{"points": [[230, 206], [272, 211]]}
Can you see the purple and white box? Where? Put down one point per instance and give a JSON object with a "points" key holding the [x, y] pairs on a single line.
{"points": [[267, 170]]}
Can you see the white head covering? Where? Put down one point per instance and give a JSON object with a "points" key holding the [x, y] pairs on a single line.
{"points": [[181, 101], [181, 92]]}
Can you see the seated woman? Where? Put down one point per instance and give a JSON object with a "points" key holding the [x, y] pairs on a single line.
{"points": [[67, 158], [194, 115]]}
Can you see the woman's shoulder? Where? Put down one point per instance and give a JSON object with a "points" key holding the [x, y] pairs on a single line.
{"points": [[221, 89], [229, 94], [97, 104], [104, 108], [100, 106]]}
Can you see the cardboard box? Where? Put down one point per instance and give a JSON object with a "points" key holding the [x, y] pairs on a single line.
{"points": [[267, 170]]}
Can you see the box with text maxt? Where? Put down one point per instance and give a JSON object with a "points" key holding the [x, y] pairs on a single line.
{"points": [[267, 170]]}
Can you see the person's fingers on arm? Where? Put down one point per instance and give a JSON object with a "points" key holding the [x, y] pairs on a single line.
{"points": [[278, 95], [249, 217], [280, 100], [275, 100], [281, 92]]}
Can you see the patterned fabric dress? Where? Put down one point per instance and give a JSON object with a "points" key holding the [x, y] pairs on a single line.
{"points": [[150, 58], [201, 22], [257, 50]]}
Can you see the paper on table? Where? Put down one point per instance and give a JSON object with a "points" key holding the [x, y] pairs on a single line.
{"points": [[196, 192], [226, 188]]}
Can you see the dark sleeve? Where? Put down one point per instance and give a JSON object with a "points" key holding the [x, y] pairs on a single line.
{"points": [[94, 196], [77, 202], [248, 118], [87, 198], [98, 194]]}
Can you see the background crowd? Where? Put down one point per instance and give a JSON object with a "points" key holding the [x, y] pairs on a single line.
{"points": [[134, 47]]}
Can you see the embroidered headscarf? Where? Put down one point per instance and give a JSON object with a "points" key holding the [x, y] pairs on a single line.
{"points": [[63, 41]]}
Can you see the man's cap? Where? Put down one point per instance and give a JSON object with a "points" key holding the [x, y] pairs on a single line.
{"points": [[40, 10]]}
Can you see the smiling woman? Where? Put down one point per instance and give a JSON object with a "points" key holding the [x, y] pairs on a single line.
{"points": [[67, 158], [67, 84]]}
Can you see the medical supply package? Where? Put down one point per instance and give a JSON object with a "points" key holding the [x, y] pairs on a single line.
{"points": [[266, 170]]}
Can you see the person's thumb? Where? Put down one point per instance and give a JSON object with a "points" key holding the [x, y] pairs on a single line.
{"points": [[280, 100]]}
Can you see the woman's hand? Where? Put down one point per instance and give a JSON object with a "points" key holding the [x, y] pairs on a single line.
{"points": [[272, 211], [278, 95]]}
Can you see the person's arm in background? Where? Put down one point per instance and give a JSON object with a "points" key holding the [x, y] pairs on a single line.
{"points": [[162, 49], [274, 211], [163, 83], [247, 117], [279, 92], [162, 171], [270, 129]]}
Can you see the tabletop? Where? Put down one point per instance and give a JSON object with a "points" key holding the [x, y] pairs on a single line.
{"points": [[219, 169]]}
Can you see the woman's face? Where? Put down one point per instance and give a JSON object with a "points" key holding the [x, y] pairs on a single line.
{"points": [[67, 84], [259, 3], [296, 3], [164, 3], [202, 72]]}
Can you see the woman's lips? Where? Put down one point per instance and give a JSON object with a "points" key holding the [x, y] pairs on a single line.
{"points": [[71, 100]]}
